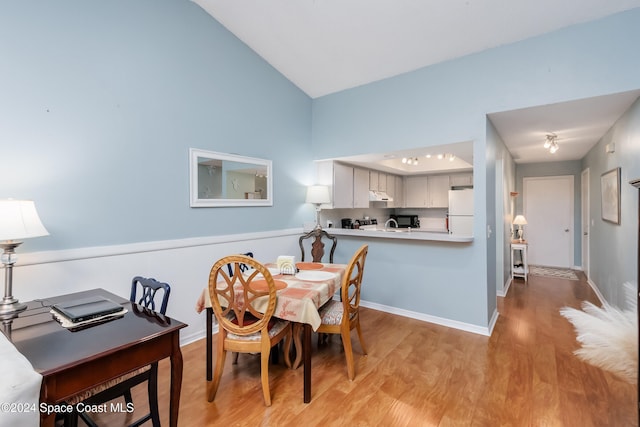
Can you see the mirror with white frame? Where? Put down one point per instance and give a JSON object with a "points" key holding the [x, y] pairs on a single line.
{"points": [[220, 179]]}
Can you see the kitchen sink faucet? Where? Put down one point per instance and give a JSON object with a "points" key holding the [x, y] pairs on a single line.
{"points": [[386, 224]]}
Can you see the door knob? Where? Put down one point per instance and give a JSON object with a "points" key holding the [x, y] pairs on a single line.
{"points": [[566, 230]]}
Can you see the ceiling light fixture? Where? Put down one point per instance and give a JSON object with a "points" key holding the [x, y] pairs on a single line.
{"points": [[410, 161], [551, 144]]}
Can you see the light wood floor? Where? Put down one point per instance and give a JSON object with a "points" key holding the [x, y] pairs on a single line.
{"points": [[421, 374]]}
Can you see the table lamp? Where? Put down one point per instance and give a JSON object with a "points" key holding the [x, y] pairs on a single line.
{"points": [[318, 194], [18, 220], [520, 221]]}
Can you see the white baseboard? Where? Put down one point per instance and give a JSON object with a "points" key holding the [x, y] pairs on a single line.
{"points": [[503, 292], [431, 319], [597, 291]]}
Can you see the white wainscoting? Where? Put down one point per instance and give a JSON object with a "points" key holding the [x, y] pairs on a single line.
{"points": [[184, 264]]}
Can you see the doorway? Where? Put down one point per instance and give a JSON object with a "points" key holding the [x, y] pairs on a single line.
{"points": [[548, 208], [586, 219]]}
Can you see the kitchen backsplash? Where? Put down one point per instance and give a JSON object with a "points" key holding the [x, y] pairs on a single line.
{"points": [[432, 219]]}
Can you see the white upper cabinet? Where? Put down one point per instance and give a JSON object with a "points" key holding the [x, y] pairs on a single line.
{"points": [[438, 189], [349, 185], [398, 196], [382, 181], [426, 191], [342, 186], [360, 188], [373, 180], [416, 192], [461, 179], [377, 181]]}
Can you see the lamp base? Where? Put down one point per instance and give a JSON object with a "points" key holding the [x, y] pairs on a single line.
{"points": [[10, 306], [318, 226]]}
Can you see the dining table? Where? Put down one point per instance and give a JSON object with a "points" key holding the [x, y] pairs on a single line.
{"points": [[298, 300]]}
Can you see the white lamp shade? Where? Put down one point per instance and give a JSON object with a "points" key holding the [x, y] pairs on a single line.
{"points": [[520, 220], [19, 220], [318, 194]]}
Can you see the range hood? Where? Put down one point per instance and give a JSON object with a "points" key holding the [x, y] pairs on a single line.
{"points": [[379, 196]]}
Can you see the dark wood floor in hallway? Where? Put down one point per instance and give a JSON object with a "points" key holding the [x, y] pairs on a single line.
{"points": [[422, 374]]}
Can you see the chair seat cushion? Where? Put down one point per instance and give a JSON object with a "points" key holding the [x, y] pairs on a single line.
{"points": [[331, 313], [104, 386], [275, 327]]}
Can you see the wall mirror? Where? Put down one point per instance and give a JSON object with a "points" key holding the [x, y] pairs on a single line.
{"points": [[220, 179]]}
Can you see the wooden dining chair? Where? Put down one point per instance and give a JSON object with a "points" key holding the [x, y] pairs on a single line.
{"points": [[340, 317], [243, 268], [242, 328], [317, 246], [121, 387]]}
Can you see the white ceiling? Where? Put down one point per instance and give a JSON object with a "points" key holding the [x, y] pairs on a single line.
{"points": [[325, 46], [579, 125]]}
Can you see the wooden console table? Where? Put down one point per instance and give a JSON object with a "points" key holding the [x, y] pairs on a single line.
{"points": [[72, 362]]}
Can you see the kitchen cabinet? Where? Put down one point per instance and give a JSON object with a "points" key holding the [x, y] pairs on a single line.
{"points": [[373, 180], [350, 185], [415, 192], [461, 179], [377, 181], [398, 198], [382, 182], [391, 190], [360, 188], [438, 189], [342, 186], [427, 191]]}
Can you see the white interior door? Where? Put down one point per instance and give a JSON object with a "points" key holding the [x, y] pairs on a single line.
{"points": [[548, 208], [586, 219]]}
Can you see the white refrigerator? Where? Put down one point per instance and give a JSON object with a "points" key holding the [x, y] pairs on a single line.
{"points": [[461, 212]]}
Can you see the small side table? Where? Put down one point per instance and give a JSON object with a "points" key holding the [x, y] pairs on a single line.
{"points": [[519, 266]]}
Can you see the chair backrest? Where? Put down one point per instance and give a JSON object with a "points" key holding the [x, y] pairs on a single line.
{"points": [[242, 267], [149, 287], [233, 297], [352, 283], [317, 246]]}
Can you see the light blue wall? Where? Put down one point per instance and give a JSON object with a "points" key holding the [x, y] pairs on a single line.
{"points": [[448, 103], [573, 168], [614, 248], [101, 102]]}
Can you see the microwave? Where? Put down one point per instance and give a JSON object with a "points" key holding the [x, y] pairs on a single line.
{"points": [[407, 221]]}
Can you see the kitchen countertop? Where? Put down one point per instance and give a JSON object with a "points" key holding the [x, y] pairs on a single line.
{"points": [[412, 234]]}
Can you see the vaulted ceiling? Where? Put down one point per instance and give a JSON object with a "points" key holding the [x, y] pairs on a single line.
{"points": [[326, 46]]}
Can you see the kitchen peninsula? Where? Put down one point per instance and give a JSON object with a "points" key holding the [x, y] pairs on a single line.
{"points": [[406, 234]]}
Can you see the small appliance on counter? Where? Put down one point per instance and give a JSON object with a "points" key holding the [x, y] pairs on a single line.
{"points": [[407, 221], [368, 221], [357, 223]]}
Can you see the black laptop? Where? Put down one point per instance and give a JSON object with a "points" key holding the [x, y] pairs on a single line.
{"points": [[89, 308]]}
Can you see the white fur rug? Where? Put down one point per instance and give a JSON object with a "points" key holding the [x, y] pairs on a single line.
{"points": [[609, 338]]}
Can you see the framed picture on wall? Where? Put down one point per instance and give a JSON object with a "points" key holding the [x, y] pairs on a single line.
{"points": [[610, 199]]}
